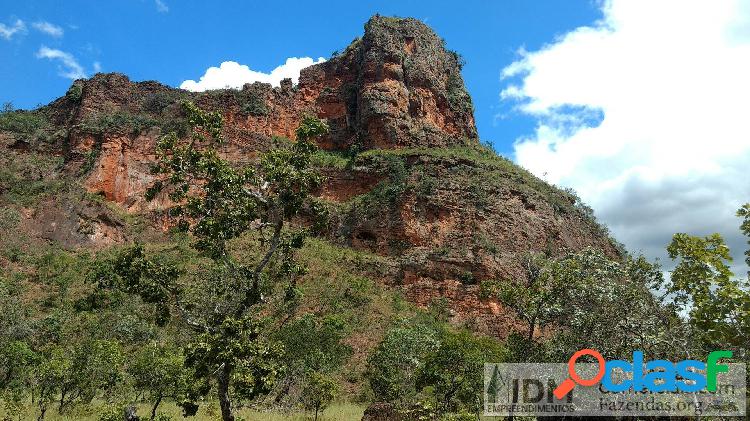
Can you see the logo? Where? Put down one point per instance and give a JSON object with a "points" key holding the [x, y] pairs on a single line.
{"points": [[618, 388], [653, 376]]}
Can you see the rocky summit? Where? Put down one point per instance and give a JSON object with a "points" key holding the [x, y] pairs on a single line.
{"points": [[406, 176]]}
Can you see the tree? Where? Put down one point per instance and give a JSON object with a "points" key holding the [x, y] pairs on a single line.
{"points": [[319, 391], [588, 300], [159, 371], [52, 377], [703, 285], [455, 370], [311, 345], [394, 363], [17, 361], [539, 300], [217, 202], [608, 306], [744, 213]]}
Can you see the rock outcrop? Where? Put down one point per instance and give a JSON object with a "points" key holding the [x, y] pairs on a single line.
{"points": [[417, 188]]}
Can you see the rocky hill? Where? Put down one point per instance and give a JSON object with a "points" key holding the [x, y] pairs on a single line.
{"points": [[406, 175]]}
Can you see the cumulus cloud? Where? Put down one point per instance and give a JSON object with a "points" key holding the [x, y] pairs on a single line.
{"points": [[161, 7], [644, 113], [48, 28], [231, 74], [68, 65], [7, 32]]}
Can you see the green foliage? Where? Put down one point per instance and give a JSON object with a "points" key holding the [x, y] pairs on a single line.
{"points": [[235, 348], [17, 361], [454, 372], [118, 122], [744, 213], [255, 106], [608, 306], [25, 178], [539, 301], [75, 93], [314, 344], [77, 374], [22, 122], [159, 371], [703, 284], [323, 158], [157, 102], [592, 301], [218, 202], [319, 391], [90, 159], [394, 363], [14, 316], [458, 99]]}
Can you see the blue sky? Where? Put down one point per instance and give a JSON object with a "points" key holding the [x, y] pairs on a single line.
{"points": [[639, 105], [171, 41]]}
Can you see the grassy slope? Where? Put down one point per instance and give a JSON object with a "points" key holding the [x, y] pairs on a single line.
{"points": [[341, 281]]}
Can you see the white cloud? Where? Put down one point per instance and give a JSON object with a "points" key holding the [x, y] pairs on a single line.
{"points": [[231, 74], [7, 32], [161, 7], [97, 67], [69, 66], [48, 28], [644, 113]]}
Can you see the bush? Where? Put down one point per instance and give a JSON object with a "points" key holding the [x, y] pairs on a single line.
{"points": [[22, 122], [255, 106], [318, 392], [156, 102], [75, 93], [453, 372], [26, 177], [314, 344], [394, 363], [118, 122]]}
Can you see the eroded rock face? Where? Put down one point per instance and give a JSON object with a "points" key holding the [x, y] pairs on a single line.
{"points": [[410, 92], [446, 221], [395, 87]]}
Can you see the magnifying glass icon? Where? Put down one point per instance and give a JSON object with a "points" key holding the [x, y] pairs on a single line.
{"points": [[568, 384]]}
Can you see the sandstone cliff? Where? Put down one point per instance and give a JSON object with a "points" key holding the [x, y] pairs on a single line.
{"points": [[407, 177]]}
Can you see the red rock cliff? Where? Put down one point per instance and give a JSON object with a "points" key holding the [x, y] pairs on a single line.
{"points": [[422, 191]]}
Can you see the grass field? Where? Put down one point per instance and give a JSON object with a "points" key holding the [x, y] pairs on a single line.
{"points": [[342, 411]]}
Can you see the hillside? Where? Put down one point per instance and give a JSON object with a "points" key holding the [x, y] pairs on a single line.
{"points": [[407, 179]]}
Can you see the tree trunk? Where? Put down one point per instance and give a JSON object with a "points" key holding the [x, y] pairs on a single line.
{"points": [[42, 411], [62, 402], [224, 400], [156, 405]]}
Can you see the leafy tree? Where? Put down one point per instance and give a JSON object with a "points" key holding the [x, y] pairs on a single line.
{"points": [[311, 344], [314, 344], [17, 361], [539, 300], [703, 285], [216, 202], [394, 363], [77, 374], [590, 301], [454, 372], [52, 377], [608, 306], [744, 213], [319, 391], [159, 372]]}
